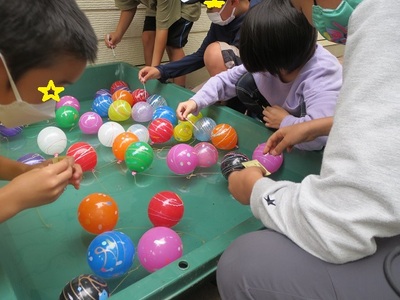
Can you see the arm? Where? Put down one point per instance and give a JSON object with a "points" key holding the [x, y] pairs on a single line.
{"points": [[9, 169], [42, 185], [125, 20], [287, 137], [241, 183], [220, 87]]}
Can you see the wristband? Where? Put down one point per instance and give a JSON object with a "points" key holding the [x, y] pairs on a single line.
{"points": [[256, 163]]}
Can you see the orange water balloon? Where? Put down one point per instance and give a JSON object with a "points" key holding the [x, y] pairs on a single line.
{"points": [[123, 95], [121, 143], [98, 213], [224, 137]]}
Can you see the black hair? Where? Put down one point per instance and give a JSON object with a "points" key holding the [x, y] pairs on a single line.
{"points": [[35, 33], [275, 36]]}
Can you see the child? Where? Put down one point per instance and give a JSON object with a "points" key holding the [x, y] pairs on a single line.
{"points": [[291, 80], [332, 235], [40, 41], [167, 25], [219, 50]]}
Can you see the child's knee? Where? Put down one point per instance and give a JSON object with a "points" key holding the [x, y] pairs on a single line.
{"points": [[212, 55]]}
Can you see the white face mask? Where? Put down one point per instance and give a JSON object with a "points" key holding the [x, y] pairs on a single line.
{"points": [[215, 17], [19, 112]]}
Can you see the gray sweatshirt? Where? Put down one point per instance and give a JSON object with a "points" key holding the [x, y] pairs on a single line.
{"points": [[337, 215]]}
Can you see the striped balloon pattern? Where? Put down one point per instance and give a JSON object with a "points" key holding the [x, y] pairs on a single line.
{"points": [[160, 130], [85, 155], [101, 104], [165, 209], [139, 156], [139, 95], [119, 111], [85, 286], [90, 122], [118, 85], [224, 137], [52, 140], [203, 128], [232, 161]]}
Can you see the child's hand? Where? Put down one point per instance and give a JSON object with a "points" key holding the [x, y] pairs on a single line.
{"points": [[76, 177], [43, 185], [273, 116], [287, 137], [282, 139], [112, 39], [185, 108], [148, 73]]}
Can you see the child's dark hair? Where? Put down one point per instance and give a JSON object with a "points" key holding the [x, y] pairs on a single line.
{"points": [[35, 33], [275, 36]]}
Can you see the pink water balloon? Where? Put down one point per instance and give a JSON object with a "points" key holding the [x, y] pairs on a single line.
{"points": [[182, 159], [270, 162], [158, 247], [207, 154], [68, 101]]}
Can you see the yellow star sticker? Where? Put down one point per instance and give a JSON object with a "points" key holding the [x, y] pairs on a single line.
{"points": [[214, 3], [50, 91]]}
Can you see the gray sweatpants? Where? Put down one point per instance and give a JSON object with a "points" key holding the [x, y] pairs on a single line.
{"points": [[267, 265]]}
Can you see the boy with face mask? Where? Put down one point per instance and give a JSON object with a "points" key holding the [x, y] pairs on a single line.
{"points": [[219, 50], [40, 41], [329, 235]]}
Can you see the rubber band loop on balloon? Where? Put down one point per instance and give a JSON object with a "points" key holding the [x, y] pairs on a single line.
{"points": [[191, 123]]}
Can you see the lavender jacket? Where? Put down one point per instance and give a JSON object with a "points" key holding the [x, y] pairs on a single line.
{"points": [[312, 95]]}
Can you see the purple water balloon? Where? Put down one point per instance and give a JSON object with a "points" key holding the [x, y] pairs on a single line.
{"points": [[102, 92], [31, 159], [9, 132], [90, 122], [142, 112]]}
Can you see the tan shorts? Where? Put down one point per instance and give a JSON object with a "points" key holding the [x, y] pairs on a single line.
{"points": [[230, 55]]}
